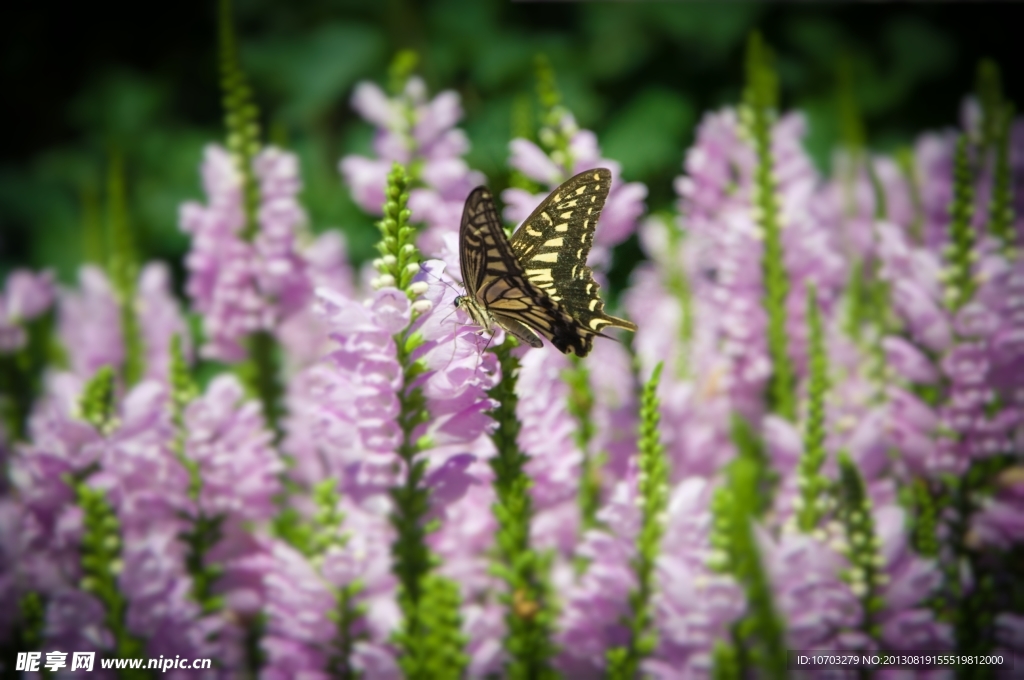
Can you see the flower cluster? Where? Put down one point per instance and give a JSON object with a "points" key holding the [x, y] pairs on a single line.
{"points": [[813, 441]]}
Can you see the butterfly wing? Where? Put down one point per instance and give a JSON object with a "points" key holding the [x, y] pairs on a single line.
{"points": [[552, 246], [496, 283]]}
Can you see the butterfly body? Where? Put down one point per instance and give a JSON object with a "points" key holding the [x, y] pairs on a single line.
{"points": [[537, 281]]}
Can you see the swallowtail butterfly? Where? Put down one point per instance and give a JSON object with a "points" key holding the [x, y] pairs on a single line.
{"points": [[538, 280]]}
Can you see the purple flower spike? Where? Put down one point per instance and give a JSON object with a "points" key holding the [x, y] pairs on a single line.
{"points": [[696, 606], [89, 324], [25, 296], [222, 268], [820, 609], [239, 286], [412, 129], [229, 440], [591, 621], [623, 207], [906, 619], [160, 319]]}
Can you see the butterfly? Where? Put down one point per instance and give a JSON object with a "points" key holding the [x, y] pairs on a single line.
{"points": [[538, 280]]}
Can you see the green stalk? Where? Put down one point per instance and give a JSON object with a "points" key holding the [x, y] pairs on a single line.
{"points": [[529, 610], [123, 269], [430, 638], [961, 283], [863, 547], [813, 485], [653, 490], [761, 98]]}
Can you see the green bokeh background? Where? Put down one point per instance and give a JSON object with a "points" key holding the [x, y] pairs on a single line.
{"points": [[85, 79]]}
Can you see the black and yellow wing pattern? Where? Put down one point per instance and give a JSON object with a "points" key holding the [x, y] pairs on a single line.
{"points": [[539, 279]]}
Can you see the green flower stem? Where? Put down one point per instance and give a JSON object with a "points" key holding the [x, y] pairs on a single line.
{"points": [[924, 533], [101, 530], [653, 488], [961, 284], [204, 531], [863, 547], [553, 136], [758, 639], [529, 612], [400, 259], [101, 565], [581, 407], [989, 88], [21, 375], [323, 533], [96, 405], [241, 118], [761, 96], [523, 127], [678, 283], [759, 636], [123, 269], [851, 125], [813, 484], [905, 159], [1000, 222], [260, 373], [430, 639]]}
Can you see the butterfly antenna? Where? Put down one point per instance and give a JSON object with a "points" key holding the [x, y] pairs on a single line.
{"points": [[440, 280]]}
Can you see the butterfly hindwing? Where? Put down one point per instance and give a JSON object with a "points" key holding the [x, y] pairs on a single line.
{"points": [[552, 246], [497, 286]]}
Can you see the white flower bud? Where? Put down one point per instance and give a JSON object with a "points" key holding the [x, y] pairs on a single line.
{"points": [[389, 260], [418, 287], [413, 268], [422, 306]]}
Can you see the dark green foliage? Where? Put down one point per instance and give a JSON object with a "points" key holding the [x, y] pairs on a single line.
{"points": [[761, 96], [653, 490], [529, 615]]}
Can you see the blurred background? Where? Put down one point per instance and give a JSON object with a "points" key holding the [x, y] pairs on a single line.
{"points": [[142, 79]]}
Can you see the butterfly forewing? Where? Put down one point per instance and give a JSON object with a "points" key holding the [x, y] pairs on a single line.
{"points": [[553, 244]]}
